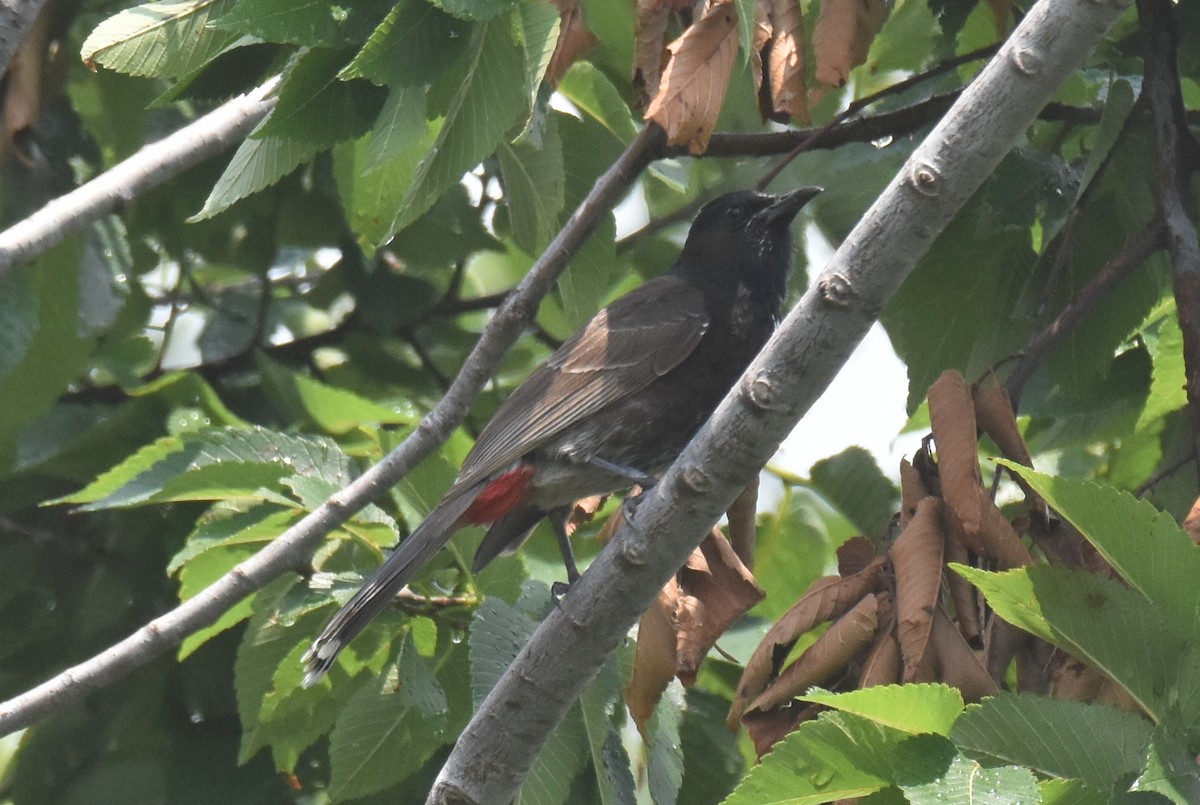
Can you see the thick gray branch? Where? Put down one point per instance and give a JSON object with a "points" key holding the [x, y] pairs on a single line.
{"points": [[495, 752], [16, 18], [292, 548]]}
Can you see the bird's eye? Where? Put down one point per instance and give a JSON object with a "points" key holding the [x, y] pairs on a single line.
{"points": [[735, 211]]}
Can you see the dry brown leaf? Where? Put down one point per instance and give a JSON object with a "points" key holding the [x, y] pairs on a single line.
{"points": [[708, 594], [952, 416], [881, 663], [957, 664], [785, 62], [917, 558], [583, 511], [1001, 642], [825, 600], [693, 85], [825, 658], [654, 659], [574, 39], [1001, 15], [1000, 539], [1033, 667], [995, 416], [1077, 681], [649, 45], [768, 728], [962, 593], [912, 491], [743, 523], [854, 555], [1191, 523], [842, 36], [759, 37]]}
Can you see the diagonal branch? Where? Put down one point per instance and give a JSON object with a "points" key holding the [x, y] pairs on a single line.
{"points": [[124, 182], [292, 548], [495, 752], [1176, 151]]}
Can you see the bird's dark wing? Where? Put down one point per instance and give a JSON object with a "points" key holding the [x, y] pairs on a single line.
{"points": [[641, 336]]}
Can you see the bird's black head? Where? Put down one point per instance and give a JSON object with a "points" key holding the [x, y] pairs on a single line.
{"points": [[744, 237]]}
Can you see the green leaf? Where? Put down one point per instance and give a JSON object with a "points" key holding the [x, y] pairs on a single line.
{"points": [[371, 191], [1146, 546], [211, 465], [853, 483], [257, 164], [1168, 382], [479, 10], [747, 14], [488, 101], [388, 729], [1095, 619], [1090, 742], [534, 187], [538, 35], [610, 762], [712, 765], [1171, 769], [1068, 792], [164, 39], [664, 758], [18, 319], [412, 46], [316, 107], [596, 96], [333, 410], [838, 755], [399, 130], [310, 23], [909, 708], [968, 783]]}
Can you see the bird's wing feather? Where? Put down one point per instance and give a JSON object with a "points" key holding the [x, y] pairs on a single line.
{"points": [[641, 336]]}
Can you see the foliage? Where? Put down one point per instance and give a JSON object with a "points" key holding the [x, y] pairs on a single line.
{"points": [[187, 379]]}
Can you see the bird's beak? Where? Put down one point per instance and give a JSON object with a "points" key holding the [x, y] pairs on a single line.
{"points": [[785, 207]]}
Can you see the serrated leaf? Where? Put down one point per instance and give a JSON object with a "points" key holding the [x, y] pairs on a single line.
{"points": [[540, 23], [256, 165], [968, 783], [853, 483], [834, 757], [1095, 619], [1069, 792], [910, 708], [1089, 742], [534, 187], [1168, 381], [664, 758], [311, 23], [210, 465], [1146, 546], [399, 129], [256, 525], [411, 47], [489, 100], [479, 10], [610, 763], [387, 730], [316, 107], [164, 39], [1171, 769], [498, 631]]}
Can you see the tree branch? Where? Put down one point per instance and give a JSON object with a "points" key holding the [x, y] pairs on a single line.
{"points": [[497, 749], [292, 548], [1146, 243], [124, 182], [16, 18], [1176, 162]]}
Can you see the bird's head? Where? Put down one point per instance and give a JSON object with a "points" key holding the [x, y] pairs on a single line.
{"points": [[745, 237]]}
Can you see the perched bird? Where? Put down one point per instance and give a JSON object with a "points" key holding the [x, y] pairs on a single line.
{"points": [[613, 406]]}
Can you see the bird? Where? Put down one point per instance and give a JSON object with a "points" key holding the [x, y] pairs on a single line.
{"points": [[610, 408]]}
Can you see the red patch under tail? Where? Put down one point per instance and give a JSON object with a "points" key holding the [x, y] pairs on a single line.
{"points": [[501, 496]]}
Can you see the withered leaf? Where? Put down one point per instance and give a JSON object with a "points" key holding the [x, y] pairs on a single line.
{"points": [[743, 523], [1000, 539], [650, 41], [693, 86], [847, 636], [917, 558], [952, 416], [957, 664], [912, 491], [574, 39], [785, 61], [843, 35]]}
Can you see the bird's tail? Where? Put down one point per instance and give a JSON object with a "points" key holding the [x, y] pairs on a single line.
{"points": [[381, 588]]}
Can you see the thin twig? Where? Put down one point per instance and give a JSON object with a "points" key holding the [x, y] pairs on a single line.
{"points": [[1144, 244]]}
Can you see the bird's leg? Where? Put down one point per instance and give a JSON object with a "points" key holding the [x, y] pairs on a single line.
{"points": [[642, 479], [558, 521]]}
